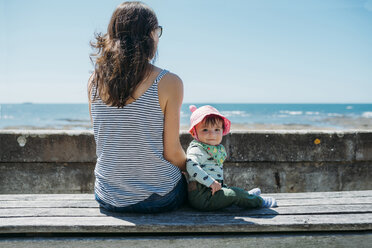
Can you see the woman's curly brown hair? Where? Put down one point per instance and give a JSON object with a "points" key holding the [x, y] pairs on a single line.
{"points": [[123, 54]]}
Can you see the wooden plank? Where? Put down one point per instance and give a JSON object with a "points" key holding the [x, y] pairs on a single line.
{"points": [[49, 204], [81, 213], [179, 224], [344, 240], [187, 212], [47, 197], [324, 201], [62, 203], [314, 195], [82, 197]]}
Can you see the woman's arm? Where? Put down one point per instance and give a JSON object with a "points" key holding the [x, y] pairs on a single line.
{"points": [[170, 97], [89, 97]]}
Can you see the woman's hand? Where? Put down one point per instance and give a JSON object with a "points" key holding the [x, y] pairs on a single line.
{"points": [[215, 186]]}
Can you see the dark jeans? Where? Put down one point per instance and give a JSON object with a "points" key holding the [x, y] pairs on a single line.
{"points": [[155, 203]]}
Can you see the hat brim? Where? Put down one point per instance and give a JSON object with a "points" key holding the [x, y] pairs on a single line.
{"points": [[227, 123]]}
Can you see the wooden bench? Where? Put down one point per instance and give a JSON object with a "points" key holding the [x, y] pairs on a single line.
{"points": [[331, 219]]}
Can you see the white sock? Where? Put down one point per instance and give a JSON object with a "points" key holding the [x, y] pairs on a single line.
{"points": [[269, 202], [255, 191]]}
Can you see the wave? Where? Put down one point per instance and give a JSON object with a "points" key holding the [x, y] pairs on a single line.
{"points": [[334, 115], [290, 112], [183, 114], [312, 113], [367, 115], [235, 113], [74, 120], [7, 117]]}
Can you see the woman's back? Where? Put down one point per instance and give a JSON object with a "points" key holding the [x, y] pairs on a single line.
{"points": [[130, 162], [135, 120]]}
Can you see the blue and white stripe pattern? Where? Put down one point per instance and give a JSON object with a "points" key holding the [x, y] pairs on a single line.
{"points": [[129, 145]]}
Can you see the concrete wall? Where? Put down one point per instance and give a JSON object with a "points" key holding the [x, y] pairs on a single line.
{"points": [[275, 161]]}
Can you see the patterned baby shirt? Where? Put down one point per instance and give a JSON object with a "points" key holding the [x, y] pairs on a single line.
{"points": [[205, 162]]}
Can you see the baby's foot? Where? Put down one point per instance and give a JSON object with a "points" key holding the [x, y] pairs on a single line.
{"points": [[269, 202], [255, 191]]}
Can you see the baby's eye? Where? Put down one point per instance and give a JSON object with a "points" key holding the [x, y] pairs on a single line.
{"points": [[217, 130], [205, 130]]}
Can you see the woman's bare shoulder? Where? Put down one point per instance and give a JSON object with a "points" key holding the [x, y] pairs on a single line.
{"points": [[171, 83], [170, 90]]}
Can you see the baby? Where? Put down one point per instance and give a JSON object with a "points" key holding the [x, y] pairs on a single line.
{"points": [[205, 157]]}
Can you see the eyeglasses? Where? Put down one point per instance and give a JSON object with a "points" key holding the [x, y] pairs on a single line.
{"points": [[159, 31]]}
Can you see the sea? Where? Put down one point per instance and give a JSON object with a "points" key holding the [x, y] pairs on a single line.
{"points": [[76, 116]]}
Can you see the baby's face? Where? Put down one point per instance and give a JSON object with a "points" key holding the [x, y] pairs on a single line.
{"points": [[211, 134]]}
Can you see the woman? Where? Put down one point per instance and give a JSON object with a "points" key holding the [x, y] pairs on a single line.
{"points": [[135, 109]]}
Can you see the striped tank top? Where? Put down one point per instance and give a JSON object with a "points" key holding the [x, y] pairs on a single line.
{"points": [[129, 145]]}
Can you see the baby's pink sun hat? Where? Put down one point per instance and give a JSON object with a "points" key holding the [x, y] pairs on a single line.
{"points": [[198, 114]]}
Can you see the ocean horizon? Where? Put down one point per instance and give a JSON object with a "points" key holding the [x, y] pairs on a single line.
{"points": [[297, 115]]}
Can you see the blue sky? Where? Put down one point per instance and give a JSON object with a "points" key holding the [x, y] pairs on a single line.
{"points": [[315, 51]]}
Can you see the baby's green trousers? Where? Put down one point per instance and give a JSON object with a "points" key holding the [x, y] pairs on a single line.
{"points": [[200, 197]]}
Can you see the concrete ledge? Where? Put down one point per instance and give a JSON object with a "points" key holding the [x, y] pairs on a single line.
{"points": [[284, 146], [47, 178], [276, 161], [292, 146], [47, 146], [288, 177]]}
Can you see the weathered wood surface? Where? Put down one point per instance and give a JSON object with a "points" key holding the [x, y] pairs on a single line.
{"points": [[91, 204], [79, 213], [89, 197], [339, 240], [96, 212]]}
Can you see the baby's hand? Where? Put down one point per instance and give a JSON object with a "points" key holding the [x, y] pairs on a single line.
{"points": [[215, 186], [185, 174]]}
